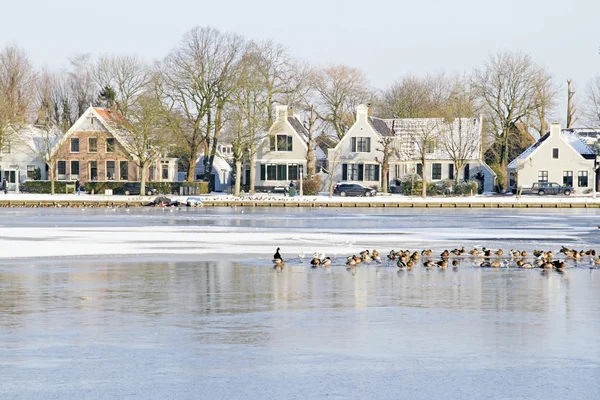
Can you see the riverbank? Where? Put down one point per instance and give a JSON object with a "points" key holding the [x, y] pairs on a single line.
{"points": [[276, 200]]}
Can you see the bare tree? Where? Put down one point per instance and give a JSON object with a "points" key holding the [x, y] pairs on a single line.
{"points": [[460, 133], [592, 102], [340, 90], [198, 80], [423, 136], [81, 83], [389, 152], [17, 85], [143, 133], [127, 75], [508, 85]]}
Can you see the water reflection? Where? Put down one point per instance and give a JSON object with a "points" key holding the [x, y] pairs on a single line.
{"points": [[243, 317]]}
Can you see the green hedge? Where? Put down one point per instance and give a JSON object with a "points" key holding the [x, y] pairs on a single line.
{"points": [[100, 187], [443, 188]]}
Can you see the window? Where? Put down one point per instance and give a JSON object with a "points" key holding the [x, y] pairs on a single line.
{"points": [[110, 145], [371, 172], [542, 176], [93, 165], [61, 168], [567, 178], [6, 147], [272, 140], [555, 153], [271, 172], [74, 145], [293, 172], [420, 170], [436, 171], [361, 144], [151, 172], [582, 178], [33, 172], [10, 176], [430, 146], [165, 170], [281, 172], [92, 145], [354, 172], [450, 171], [110, 171], [123, 170], [74, 170]]}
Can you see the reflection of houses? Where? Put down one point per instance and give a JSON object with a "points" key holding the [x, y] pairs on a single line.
{"points": [[281, 155], [559, 156], [94, 149], [21, 157], [358, 155]]}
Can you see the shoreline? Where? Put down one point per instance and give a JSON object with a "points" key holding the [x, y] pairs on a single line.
{"points": [[27, 200]]}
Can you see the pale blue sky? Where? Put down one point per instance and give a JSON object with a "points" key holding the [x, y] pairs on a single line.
{"points": [[385, 39]]}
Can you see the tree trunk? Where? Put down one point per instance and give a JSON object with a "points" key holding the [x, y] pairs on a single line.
{"points": [[424, 177], [51, 171], [191, 175], [143, 166], [252, 168], [238, 176], [385, 170]]}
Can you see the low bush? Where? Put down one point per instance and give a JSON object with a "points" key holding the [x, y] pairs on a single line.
{"points": [[310, 187], [99, 187]]}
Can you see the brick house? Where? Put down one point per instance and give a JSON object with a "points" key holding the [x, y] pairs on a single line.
{"points": [[93, 150]]}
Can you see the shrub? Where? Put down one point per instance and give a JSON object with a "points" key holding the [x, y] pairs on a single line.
{"points": [[99, 187], [311, 186]]}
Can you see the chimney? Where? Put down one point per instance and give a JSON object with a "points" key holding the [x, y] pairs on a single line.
{"points": [[290, 111], [280, 113], [555, 129], [369, 109], [362, 112]]}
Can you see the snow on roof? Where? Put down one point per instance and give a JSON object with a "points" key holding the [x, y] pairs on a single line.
{"points": [[569, 136]]}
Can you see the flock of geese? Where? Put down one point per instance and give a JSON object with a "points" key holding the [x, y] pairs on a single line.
{"points": [[484, 258]]}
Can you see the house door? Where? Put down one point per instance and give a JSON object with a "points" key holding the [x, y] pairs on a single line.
{"points": [[11, 178]]}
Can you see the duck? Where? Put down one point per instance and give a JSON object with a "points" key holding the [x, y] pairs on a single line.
{"points": [[427, 253], [364, 253], [499, 252], [401, 264], [315, 262], [442, 264], [445, 254], [392, 255], [278, 263], [523, 264], [429, 264], [414, 256], [455, 263], [458, 252], [326, 262], [558, 264]]}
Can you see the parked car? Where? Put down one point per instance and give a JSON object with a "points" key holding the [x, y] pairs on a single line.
{"points": [[133, 188], [353, 189], [543, 188]]}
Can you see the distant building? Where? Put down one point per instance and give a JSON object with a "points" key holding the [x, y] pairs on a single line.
{"points": [[560, 156]]}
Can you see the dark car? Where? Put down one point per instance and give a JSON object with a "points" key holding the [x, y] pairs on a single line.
{"points": [[353, 189], [133, 188], [543, 188]]}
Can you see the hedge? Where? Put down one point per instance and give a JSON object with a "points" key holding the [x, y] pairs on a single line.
{"points": [[99, 187]]}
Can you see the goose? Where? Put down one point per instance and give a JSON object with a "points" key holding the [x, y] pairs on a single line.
{"points": [[277, 256]]}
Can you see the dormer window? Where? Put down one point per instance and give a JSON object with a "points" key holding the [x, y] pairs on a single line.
{"points": [[280, 143]]}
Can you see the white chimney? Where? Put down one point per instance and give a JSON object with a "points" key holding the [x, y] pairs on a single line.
{"points": [[555, 129], [281, 113], [362, 112]]}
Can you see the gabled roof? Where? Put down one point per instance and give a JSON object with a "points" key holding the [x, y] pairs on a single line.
{"points": [[569, 136], [380, 126], [298, 127], [110, 120]]}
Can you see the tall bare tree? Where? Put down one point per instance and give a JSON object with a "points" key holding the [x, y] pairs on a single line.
{"points": [[592, 102], [389, 152], [17, 88], [198, 80], [571, 109], [127, 75], [340, 90], [82, 85], [508, 85], [423, 136]]}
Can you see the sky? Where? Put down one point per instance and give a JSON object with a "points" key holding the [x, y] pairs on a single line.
{"points": [[385, 39]]}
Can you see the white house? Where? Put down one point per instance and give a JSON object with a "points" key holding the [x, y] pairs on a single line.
{"points": [[21, 157], [359, 154], [281, 154], [559, 156], [220, 177]]}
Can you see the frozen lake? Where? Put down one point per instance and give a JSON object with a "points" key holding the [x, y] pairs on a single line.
{"points": [[185, 305]]}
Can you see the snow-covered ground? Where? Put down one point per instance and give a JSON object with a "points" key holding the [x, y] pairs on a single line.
{"points": [[242, 234]]}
